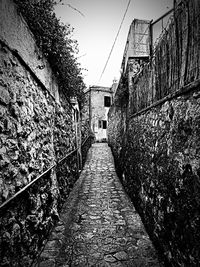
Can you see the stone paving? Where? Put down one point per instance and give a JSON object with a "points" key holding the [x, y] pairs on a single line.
{"points": [[99, 225]]}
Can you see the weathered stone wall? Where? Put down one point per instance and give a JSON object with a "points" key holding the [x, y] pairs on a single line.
{"points": [[116, 130], [16, 34], [160, 169], [157, 156], [36, 132], [85, 117]]}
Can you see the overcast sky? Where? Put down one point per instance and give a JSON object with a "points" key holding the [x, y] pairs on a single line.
{"points": [[96, 28]]}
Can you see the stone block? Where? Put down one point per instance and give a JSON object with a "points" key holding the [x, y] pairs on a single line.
{"points": [[48, 263], [4, 95]]}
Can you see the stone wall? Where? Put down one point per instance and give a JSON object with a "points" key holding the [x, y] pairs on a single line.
{"points": [[85, 116], [116, 131], [16, 34], [158, 161], [153, 130], [36, 132]]}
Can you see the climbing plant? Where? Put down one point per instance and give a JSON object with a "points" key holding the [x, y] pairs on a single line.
{"points": [[54, 39]]}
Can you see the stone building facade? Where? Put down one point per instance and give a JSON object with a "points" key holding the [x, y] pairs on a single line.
{"points": [[99, 101]]}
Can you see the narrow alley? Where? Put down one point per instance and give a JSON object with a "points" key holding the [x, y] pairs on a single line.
{"points": [[78, 157], [98, 225]]}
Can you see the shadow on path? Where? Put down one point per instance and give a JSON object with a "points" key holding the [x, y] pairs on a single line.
{"points": [[99, 225]]}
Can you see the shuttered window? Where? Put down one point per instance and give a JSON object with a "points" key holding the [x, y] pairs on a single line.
{"points": [[107, 101], [103, 124]]}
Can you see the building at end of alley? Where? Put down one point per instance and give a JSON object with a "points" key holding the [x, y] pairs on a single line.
{"points": [[98, 101]]}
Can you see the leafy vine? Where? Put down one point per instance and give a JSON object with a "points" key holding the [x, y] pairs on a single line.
{"points": [[54, 39]]}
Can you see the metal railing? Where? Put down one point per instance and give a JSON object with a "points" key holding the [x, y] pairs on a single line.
{"points": [[27, 217]]}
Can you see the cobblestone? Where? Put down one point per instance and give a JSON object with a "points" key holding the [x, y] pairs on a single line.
{"points": [[99, 225]]}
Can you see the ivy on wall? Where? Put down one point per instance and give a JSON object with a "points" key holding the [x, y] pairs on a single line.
{"points": [[54, 39]]}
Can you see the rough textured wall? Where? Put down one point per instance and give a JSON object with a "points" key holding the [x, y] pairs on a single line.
{"points": [[15, 32], [158, 156], [116, 129], [31, 125], [36, 131], [160, 169], [117, 122], [85, 120], [64, 136]]}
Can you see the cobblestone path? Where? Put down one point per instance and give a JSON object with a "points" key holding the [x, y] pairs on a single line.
{"points": [[99, 225]]}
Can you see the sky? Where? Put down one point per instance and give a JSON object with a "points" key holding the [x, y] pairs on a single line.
{"points": [[96, 24]]}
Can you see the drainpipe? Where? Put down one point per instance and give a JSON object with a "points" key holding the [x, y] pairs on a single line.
{"points": [[90, 110], [77, 122]]}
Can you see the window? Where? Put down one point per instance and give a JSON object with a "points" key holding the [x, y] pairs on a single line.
{"points": [[107, 101], [103, 124]]}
